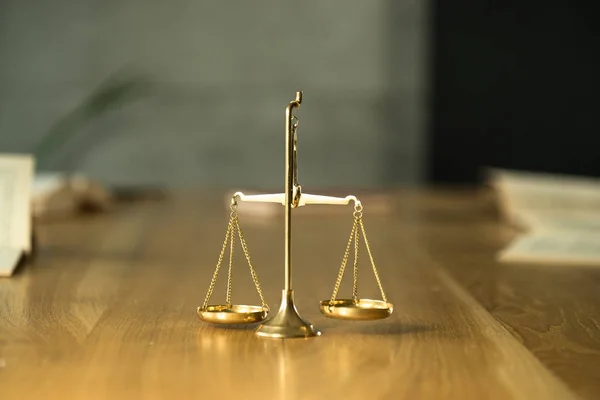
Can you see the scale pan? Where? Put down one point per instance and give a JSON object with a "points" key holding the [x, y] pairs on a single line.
{"points": [[356, 310], [232, 314]]}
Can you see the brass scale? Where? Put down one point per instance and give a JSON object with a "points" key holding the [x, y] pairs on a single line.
{"points": [[287, 323]]}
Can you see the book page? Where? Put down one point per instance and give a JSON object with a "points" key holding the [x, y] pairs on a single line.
{"points": [[554, 248], [570, 221], [560, 213], [16, 174]]}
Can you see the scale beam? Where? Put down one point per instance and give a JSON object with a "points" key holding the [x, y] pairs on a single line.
{"points": [[303, 199]]}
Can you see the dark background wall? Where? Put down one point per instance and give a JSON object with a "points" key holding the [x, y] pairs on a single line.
{"points": [[216, 77], [514, 84], [396, 92]]}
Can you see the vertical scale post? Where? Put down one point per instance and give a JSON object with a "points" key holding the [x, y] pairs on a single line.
{"points": [[289, 187], [287, 323]]}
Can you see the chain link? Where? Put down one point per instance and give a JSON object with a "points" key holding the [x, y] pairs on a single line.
{"points": [[358, 209]]}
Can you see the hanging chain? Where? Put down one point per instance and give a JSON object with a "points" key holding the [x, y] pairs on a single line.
{"points": [[216, 273], [233, 217], [338, 282], [355, 271], [355, 237], [357, 214], [232, 227], [362, 227], [252, 271], [295, 123], [296, 188]]}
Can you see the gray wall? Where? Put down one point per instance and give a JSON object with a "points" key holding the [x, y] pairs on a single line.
{"points": [[220, 75]]}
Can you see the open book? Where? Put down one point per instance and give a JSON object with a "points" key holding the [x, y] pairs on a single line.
{"points": [[558, 215]]}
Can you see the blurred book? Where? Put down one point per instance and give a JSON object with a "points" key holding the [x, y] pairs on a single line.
{"points": [[16, 173], [520, 193], [25, 198], [558, 216], [554, 248]]}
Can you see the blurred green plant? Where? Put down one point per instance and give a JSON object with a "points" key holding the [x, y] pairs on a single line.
{"points": [[116, 90]]}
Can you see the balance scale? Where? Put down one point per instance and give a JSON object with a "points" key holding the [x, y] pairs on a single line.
{"points": [[287, 323]]}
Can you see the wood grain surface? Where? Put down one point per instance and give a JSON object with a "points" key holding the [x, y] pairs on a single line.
{"points": [[554, 311], [107, 310]]}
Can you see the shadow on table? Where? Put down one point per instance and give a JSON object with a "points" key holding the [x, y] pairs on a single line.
{"points": [[355, 328], [362, 328]]}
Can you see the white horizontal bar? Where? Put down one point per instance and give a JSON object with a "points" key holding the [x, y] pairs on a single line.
{"points": [[304, 199], [318, 199], [261, 198]]}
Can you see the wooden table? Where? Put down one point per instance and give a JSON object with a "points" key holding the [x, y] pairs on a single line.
{"points": [[107, 309]]}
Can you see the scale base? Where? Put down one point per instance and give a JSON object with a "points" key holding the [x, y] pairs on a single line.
{"points": [[287, 323]]}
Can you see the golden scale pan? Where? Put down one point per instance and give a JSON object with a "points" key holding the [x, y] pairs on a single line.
{"points": [[287, 323]]}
